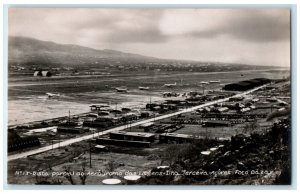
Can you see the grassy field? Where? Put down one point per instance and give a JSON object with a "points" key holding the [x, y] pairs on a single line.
{"points": [[28, 100], [72, 158]]}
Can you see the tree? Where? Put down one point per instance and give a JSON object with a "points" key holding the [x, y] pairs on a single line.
{"points": [[68, 175], [110, 166], [251, 127], [175, 153], [83, 174]]}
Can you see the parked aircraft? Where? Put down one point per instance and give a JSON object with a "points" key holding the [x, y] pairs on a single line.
{"points": [[214, 81], [144, 88], [170, 85], [204, 83], [51, 95], [121, 89]]}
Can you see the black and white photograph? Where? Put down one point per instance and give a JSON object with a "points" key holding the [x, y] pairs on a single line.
{"points": [[149, 96]]}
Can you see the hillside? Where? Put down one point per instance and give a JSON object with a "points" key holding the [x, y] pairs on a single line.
{"points": [[29, 53], [28, 50]]}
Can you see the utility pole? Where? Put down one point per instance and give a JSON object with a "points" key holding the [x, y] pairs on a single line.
{"points": [[90, 154], [69, 117], [271, 108], [58, 141]]}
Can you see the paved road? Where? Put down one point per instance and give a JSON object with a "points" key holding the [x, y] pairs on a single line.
{"points": [[90, 136]]}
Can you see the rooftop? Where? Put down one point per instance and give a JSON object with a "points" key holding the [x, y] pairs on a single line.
{"points": [[181, 135], [139, 134], [147, 124], [99, 105]]}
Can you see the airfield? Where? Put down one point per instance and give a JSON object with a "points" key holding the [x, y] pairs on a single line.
{"points": [[30, 107], [28, 100]]}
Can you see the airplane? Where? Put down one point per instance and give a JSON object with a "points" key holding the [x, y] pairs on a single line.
{"points": [[204, 83], [214, 81], [51, 95], [170, 85], [144, 88], [121, 89]]}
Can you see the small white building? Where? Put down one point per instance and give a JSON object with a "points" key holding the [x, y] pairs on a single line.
{"points": [[42, 74]]}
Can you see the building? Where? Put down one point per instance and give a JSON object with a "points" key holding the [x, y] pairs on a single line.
{"points": [[116, 111], [129, 117], [147, 126], [245, 110], [206, 109], [230, 116], [145, 114], [216, 124], [123, 142], [95, 107], [240, 86], [105, 121], [15, 142], [126, 109], [103, 113], [93, 115], [223, 109], [132, 136], [152, 105], [42, 74], [101, 148], [234, 99], [131, 139], [178, 138], [37, 73], [246, 84], [175, 102], [71, 129]]}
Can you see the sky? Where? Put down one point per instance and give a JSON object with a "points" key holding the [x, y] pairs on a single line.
{"points": [[250, 36]]}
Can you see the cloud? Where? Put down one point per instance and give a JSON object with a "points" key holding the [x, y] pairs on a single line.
{"points": [[254, 36], [259, 25], [106, 25], [151, 25], [135, 26]]}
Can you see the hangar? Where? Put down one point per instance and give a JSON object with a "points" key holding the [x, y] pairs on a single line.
{"points": [[246, 84]]}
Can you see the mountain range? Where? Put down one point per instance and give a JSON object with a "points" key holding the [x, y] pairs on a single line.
{"points": [[28, 50]]}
